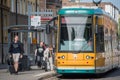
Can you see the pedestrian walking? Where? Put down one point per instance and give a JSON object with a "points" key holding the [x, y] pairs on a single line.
{"points": [[53, 52], [51, 57], [48, 59], [39, 54], [16, 51]]}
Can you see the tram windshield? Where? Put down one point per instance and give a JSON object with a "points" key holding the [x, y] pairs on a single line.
{"points": [[76, 33]]}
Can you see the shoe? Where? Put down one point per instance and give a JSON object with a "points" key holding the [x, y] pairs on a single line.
{"points": [[16, 73], [42, 67], [46, 70]]}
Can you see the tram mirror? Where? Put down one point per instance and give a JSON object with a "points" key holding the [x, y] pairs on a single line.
{"points": [[48, 24], [47, 29]]}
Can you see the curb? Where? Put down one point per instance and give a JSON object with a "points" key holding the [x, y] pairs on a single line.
{"points": [[46, 75]]}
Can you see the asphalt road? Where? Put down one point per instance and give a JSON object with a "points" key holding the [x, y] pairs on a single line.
{"points": [[111, 75]]}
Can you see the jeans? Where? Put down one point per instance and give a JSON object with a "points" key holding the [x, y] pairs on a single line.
{"points": [[40, 61]]}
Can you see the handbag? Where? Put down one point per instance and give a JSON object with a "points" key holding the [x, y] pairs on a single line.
{"points": [[10, 61]]}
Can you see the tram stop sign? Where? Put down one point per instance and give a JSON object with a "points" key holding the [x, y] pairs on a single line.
{"points": [[35, 21]]}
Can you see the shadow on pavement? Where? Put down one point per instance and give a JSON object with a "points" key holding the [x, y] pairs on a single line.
{"points": [[113, 73], [80, 76], [109, 74]]}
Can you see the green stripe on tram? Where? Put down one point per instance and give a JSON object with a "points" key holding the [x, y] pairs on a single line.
{"points": [[79, 11], [62, 71]]}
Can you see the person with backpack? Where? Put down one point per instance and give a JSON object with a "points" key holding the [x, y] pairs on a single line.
{"points": [[39, 54]]}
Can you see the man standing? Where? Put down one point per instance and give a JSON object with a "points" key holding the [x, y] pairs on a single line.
{"points": [[16, 51]]}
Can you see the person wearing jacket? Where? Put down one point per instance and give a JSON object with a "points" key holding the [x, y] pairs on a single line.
{"points": [[39, 54], [16, 51]]}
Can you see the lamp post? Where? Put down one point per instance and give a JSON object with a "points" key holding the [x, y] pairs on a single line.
{"points": [[97, 2], [16, 12], [2, 24], [36, 5]]}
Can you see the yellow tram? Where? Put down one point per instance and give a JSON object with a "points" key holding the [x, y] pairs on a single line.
{"points": [[86, 41]]}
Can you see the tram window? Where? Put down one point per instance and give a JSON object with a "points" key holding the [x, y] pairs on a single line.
{"points": [[100, 40]]}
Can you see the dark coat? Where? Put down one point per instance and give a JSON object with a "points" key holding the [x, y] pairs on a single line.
{"points": [[16, 48]]}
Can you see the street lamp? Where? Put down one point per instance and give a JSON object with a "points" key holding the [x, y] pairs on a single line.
{"points": [[2, 24], [16, 12], [97, 2]]}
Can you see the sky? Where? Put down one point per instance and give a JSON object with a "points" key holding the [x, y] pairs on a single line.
{"points": [[115, 2]]}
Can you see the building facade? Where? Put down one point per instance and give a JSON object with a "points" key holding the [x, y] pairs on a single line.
{"points": [[4, 18], [20, 8], [4, 21]]}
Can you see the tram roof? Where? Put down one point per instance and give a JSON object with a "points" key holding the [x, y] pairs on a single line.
{"points": [[84, 11], [88, 11]]}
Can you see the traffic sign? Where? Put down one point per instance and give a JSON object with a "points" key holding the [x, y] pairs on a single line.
{"points": [[35, 20]]}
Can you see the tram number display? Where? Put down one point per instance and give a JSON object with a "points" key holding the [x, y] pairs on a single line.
{"points": [[76, 20]]}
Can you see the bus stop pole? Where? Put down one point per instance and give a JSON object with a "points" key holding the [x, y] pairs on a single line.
{"points": [[2, 49], [29, 23]]}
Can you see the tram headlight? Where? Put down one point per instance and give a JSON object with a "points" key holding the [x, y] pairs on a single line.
{"points": [[88, 57], [63, 57]]}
